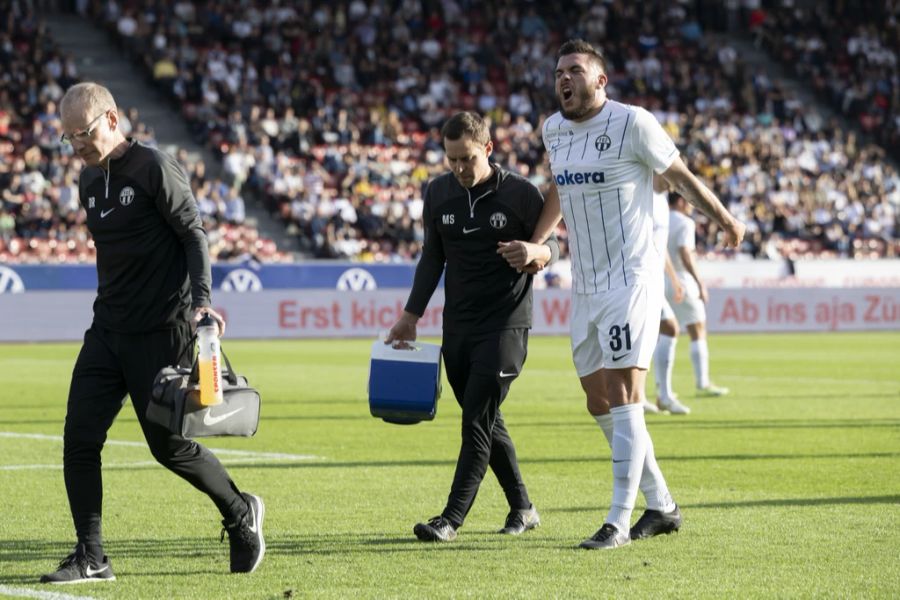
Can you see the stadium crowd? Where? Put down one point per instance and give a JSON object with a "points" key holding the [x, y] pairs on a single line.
{"points": [[848, 52], [41, 220], [330, 113]]}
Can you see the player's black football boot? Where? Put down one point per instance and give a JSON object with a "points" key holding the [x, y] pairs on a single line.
{"points": [[606, 538], [655, 522]]}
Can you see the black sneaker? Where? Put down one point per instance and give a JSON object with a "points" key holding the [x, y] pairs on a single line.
{"points": [[246, 536], [655, 522], [77, 568], [437, 529], [520, 521], [606, 538]]}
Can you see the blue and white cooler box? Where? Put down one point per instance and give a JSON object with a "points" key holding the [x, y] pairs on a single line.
{"points": [[404, 384]]}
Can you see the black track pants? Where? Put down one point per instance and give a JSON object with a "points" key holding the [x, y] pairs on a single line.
{"points": [[480, 369], [109, 366]]}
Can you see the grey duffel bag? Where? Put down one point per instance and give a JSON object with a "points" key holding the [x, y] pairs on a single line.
{"points": [[175, 404]]}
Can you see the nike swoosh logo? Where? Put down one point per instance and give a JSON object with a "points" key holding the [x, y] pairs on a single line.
{"points": [[103, 213], [91, 572], [621, 461], [210, 420], [466, 230], [615, 358], [502, 374]]}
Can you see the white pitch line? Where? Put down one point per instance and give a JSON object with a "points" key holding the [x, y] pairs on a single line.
{"points": [[27, 593], [28, 467], [222, 451], [249, 460]]}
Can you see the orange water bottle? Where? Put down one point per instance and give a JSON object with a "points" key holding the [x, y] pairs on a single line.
{"points": [[209, 358]]}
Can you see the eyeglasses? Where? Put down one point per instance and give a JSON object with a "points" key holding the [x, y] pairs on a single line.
{"points": [[85, 134]]}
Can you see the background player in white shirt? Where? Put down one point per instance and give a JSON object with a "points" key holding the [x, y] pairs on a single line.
{"points": [[664, 355], [603, 155], [691, 311]]}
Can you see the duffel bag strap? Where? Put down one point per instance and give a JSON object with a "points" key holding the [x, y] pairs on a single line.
{"points": [[188, 351], [228, 373]]}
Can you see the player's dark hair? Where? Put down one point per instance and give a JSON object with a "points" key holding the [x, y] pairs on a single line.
{"points": [[579, 46], [466, 124]]}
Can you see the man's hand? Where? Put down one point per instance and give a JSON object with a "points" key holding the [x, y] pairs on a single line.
{"points": [[519, 254], [403, 331], [734, 233], [704, 295], [534, 267], [198, 314]]}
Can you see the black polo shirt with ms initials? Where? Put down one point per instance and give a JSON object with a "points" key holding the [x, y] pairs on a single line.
{"points": [[462, 229], [152, 252]]}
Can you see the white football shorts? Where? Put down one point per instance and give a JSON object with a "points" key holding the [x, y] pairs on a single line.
{"points": [[616, 329], [691, 309], [667, 313]]}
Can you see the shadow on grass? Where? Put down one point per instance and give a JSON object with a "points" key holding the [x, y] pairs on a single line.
{"points": [[176, 550], [450, 463], [836, 501], [894, 500], [56, 550], [349, 543], [603, 458], [191, 551]]}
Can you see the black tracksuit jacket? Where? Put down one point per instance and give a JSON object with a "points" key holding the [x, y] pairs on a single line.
{"points": [[152, 252], [462, 227]]}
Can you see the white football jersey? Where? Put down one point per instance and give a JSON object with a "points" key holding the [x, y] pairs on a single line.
{"points": [[603, 169], [682, 234]]}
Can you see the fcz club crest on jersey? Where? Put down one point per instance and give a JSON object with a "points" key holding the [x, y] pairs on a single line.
{"points": [[498, 220], [602, 143], [126, 195]]}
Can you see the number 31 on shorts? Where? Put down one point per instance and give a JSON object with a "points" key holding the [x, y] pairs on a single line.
{"points": [[615, 333]]}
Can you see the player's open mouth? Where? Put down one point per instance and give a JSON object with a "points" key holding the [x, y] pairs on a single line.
{"points": [[567, 93]]}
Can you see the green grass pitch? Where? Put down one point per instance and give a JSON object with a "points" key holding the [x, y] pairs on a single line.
{"points": [[790, 486]]}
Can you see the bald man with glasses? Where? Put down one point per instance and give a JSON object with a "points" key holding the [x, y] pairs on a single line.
{"points": [[153, 284]]}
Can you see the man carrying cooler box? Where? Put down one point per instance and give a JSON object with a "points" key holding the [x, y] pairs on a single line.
{"points": [[471, 215]]}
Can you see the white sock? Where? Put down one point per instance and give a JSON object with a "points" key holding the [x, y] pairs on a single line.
{"points": [[700, 360], [629, 449], [664, 357], [606, 424], [653, 484]]}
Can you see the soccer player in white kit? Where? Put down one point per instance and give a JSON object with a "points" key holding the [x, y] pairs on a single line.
{"points": [[691, 311], [664, 355], [602, 156]]}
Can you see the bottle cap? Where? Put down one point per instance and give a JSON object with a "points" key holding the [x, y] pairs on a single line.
{"points": [[207, 321]]}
